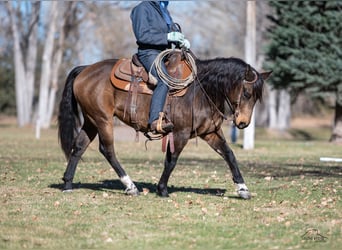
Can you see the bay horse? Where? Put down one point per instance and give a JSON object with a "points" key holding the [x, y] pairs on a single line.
{"points": [[222, 86]]}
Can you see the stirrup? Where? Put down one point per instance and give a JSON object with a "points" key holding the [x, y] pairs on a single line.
{"points": [[160, 126]]}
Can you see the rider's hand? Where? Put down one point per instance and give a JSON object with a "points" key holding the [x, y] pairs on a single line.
{"points": [[185, 44], [175, 37]]}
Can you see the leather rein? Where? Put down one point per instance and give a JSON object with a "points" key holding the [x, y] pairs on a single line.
{"points": [[231, 107]]}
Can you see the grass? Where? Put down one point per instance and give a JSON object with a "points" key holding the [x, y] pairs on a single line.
{"points": [[293, 194]]}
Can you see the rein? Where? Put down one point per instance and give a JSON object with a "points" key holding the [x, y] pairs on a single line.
{"points": [[212, 102], [231, 107]]}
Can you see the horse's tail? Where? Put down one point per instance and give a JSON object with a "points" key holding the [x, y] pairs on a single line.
{"points": [[67, 117]]}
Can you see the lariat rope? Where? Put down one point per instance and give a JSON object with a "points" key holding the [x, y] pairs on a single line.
{"points": [[178, 84], [175, 83]]}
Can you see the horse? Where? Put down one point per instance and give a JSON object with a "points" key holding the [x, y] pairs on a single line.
{"points": [[222, 86]]}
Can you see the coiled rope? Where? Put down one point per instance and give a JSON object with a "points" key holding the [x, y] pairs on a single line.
{"points": [[172, 82]]}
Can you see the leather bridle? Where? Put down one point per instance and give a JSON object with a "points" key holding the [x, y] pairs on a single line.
{"points": [[230, 105]]}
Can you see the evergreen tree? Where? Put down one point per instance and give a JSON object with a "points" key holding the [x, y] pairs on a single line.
{"points": [[7, 92], [305, 50]]}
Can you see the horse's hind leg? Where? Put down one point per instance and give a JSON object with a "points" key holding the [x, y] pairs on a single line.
{"points": [[83, 139], [107, 149], [219, 144]]}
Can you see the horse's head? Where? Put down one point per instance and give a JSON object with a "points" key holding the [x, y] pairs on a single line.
{"points": [[243, 97]]}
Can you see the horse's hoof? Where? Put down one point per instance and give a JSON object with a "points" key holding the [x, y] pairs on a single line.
{"points": [[67, 190], [132, 192], [163, 193], [244, 194]]}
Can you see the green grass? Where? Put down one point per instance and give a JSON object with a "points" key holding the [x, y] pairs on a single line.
{"points": [[292, 190]]}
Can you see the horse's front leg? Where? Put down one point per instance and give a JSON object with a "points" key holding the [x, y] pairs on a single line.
{"points": [[217, 141], [169, 165]]}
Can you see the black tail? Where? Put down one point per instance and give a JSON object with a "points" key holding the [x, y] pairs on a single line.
{"points": [[67, 117]]}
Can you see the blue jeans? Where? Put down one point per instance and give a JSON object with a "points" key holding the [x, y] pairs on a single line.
{"points": [[147, 57]]}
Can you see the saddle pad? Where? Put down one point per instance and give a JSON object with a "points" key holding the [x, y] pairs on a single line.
{"points": [[124, 80], [121, 78], [126, 69]]}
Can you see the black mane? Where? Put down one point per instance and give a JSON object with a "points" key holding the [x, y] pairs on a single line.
{"points": [[220, 75]]}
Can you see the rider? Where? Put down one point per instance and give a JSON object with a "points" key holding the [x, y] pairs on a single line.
{"points": [[155, 31]]}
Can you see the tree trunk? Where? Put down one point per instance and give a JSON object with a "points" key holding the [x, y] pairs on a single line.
{"points": [[250, 55], [66, 20], [272, 108], [31, 60], [337, 129], [284, 110], [45, 80], [19, 73], [24, 62], [61, 25]]}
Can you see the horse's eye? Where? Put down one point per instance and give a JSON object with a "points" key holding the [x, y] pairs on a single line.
{"points": [[246, 94]]}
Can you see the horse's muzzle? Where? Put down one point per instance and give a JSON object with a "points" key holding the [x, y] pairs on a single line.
{"points": [[242, 125]]}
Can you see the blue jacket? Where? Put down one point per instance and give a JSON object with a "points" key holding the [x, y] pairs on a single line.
{"points": [[149, 26]]}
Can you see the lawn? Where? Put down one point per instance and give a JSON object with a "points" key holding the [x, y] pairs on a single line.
{"points": [[296, 201]]}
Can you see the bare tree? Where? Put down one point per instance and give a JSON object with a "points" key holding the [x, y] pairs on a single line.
{"points": [[25, 54], [61, 21], [45, 78], [250, 55]]}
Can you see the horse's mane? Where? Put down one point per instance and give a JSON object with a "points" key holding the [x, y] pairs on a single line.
{"points": [[220, 75]]}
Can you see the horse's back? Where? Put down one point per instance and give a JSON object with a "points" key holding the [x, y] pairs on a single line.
{"points": [[93, 89], [96, 71]]}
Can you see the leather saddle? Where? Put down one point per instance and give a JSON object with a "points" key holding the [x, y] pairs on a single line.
{"points": [[126, 71]]}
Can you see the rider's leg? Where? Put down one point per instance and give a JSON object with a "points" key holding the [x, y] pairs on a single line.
{"points": [[159, 94]]}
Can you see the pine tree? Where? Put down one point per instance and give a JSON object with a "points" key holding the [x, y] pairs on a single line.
{"points": [[305, 50]]}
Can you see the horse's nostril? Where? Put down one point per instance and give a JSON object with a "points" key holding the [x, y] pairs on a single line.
{"points": [[242, 125]]}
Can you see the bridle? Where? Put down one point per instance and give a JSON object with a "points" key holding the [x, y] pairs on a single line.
{"points": [[237, 103], [230, 105]]}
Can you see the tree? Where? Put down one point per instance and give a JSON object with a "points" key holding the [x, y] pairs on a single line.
{"points": [[7, 95], [24, 29], [250, 55], [279, 107], [62, 19], [305, 51], [27, 40]]}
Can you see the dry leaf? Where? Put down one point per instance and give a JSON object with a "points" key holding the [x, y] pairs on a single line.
{"points": [[204, 210], [146, 191], [109, 240]]}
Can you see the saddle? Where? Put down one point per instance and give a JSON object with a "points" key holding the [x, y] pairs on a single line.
{"points": [[130, 75], [127, 71]]}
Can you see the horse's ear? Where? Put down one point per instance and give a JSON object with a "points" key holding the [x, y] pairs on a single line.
{"points": [[250, 75], [266, 75]]}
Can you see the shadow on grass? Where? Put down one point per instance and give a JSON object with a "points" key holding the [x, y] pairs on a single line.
{"points": [[300, 134], [256, 170], [292, 170], [117, 185]]}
